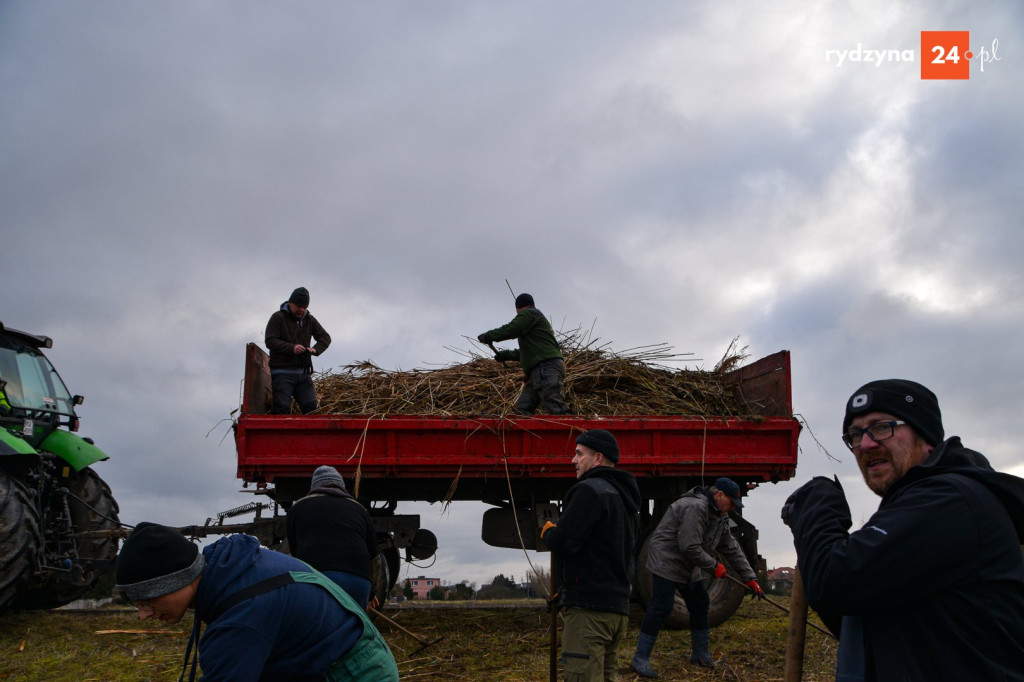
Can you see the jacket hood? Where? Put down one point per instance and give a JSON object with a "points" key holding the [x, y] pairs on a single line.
{"points": [[623, 481], [226, 560], [287, 311], [951, 457]]}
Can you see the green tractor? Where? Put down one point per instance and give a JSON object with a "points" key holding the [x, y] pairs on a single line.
{"points": [[49, 495]]}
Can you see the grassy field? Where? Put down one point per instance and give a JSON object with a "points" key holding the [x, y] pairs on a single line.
{"points": [[478, 644]]}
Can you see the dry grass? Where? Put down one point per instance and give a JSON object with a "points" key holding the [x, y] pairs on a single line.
{"points": [[598, 381], [478, 644]]}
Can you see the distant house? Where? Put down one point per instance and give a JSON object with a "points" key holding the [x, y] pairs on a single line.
{"points": [[422, 586], [780, 580]]}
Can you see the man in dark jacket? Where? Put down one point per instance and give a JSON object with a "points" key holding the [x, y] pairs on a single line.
{"points": [[332, 532], [680, 556], [288, 336], [269, 616], [594, 545], [538, 355], [932, 587]]}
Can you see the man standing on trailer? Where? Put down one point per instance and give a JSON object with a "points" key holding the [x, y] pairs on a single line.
{"points": [[680, 557], [932, 587], [538, 355], [594, 545], [288, 336]]}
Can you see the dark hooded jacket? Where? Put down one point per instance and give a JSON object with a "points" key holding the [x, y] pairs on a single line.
{"points": [[284, 330], [936, 575], [292, 633], [595, 540]]}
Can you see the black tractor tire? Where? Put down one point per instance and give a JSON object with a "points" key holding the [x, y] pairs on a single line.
{"points": [[19, 539], [92, 508], [726, 596]]}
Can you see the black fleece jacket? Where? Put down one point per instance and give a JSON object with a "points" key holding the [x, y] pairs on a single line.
{"points": [[595, 540], [936, 575]]}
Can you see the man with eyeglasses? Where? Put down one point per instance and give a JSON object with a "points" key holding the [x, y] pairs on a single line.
{"points": [[932, 587]]}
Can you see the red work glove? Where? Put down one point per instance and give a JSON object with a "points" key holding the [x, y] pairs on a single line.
{"points": [[720, 571], [758, 592], [546, 528]]}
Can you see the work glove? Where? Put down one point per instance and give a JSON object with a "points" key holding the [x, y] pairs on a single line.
{"points": [[504, 355], [554, 600], [547, 526], [720, 570], [758, 592], [827, 493], [483, 338]]}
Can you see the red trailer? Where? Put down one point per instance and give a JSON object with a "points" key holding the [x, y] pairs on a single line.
{"points": [[520, 465]]}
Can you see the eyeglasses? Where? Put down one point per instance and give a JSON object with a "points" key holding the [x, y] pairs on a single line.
{"points": [[878, 432]]}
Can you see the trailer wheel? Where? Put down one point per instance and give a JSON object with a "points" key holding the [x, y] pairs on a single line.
{"points": [[92, 507], [19, 538], [725, 595]]}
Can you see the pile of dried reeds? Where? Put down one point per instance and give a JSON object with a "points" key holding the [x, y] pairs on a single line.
{"points": [[598, 382]]}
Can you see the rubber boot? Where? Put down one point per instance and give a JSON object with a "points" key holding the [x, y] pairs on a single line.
{"points": [[700, 640], [641, 660]]}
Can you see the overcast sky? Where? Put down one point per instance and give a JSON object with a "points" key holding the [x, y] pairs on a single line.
{"points": [[677, 172]]}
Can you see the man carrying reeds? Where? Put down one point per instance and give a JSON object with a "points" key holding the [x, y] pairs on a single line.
{"points": [[538, 354], [594, 545]]}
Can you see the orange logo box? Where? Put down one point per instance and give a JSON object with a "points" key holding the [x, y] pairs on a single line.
{"points": [[945, 55]]}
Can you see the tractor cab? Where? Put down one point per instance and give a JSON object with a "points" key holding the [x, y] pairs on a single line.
{"points": [[34, 402]]}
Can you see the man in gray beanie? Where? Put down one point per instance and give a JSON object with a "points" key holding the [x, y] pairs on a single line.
{"points": [[268, 615], [594, 545], [332, 532], [932, 586], [289, 335]]}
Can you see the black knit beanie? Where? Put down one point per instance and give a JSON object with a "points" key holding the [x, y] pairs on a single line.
{"points": [[908, 400], [524, 301], [156, 560], [601, 441], [300, 297]]}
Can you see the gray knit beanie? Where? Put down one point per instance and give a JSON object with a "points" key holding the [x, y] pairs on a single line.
{"points": [[324, 475]]}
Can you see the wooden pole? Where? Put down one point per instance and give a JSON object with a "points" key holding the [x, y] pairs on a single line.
{"points": [[797, 633], [553, 664]]}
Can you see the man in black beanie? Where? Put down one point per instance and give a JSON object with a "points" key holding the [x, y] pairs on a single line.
{"points": [[538, 355], [288, 336], [268, 615], [594, 546], [932, 586]]}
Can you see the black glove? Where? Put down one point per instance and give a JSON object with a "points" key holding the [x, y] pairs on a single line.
{"points": [[792, 505], [504, 355], [553, 602], [483, 338]]}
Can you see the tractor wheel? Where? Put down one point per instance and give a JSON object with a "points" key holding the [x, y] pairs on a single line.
{"points": [[19, 539], [725, 595], [92, 508]]}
